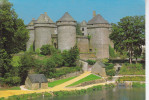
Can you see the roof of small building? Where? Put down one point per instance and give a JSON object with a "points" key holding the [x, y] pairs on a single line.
{"points": [[83, 23], [37, 78], [44, 18], [66, 18], [98, 19]]}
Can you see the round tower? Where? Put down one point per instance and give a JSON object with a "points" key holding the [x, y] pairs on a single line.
{"points": [[66, 28], [99, 29], [44, 27], [30, 27]]}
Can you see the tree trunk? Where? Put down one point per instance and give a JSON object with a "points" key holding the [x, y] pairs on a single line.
{"points": [[136, 61], [130, 57]]}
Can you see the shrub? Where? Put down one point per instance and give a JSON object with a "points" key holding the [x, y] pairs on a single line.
{"points": [[137, 84], [58, 59], [48, 50], [110, 72], [131, 69], [91, 62], [70, 57], [112, 52]]}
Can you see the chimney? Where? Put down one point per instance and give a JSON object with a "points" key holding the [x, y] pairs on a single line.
{"points": [[33, 18], [94, 13], [45, 13]]}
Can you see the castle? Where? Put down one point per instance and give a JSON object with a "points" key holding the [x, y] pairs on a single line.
{"points": [[93, 43]]}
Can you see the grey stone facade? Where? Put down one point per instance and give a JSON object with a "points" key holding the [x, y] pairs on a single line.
{"points": [[62, 34]]}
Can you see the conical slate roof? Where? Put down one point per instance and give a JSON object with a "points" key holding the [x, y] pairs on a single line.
{"points": [[98, 19], [83, 23], [44, 18], [66, 18]]}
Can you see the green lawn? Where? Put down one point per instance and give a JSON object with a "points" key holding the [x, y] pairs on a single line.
{"points": [[57, 82], [12, 88], [88, 78]]}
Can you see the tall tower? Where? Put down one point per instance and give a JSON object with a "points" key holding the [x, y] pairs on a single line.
{"points": [[83, 27], [30, 27], [66, 28], [44, 27], [98, 28]]}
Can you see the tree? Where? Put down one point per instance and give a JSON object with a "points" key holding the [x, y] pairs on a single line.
{"points": [[129, 35], [12, 29], [78, 31]]}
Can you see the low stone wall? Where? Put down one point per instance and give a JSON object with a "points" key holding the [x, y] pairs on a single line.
{"points": [[91, 82], [66, 76]]}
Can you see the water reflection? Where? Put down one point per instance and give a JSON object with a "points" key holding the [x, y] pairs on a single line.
{"points": [[109, 94]]}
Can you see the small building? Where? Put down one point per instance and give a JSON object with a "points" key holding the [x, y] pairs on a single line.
{"points": [[36, 81]]}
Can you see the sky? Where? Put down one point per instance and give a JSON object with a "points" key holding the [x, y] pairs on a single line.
{"points": [[111, 10]]}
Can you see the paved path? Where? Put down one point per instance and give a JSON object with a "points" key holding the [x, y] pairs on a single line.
{"points": [[61, 87]]}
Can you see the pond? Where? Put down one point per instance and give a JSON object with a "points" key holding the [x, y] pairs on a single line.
{"points": [[106, 94]]}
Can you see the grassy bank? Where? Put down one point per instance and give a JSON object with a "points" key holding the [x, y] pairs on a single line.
{"points": [[138, 85], [12, 88], [132, 69], [132, 78], [57, 82], [88, 78], [58, 93]]}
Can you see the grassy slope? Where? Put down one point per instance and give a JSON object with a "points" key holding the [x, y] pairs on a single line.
{"points": [[57, 82], [12, 88], [132, 78], [88, 78]]}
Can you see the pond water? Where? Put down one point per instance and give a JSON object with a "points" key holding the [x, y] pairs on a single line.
{"points": [[106, 94]]}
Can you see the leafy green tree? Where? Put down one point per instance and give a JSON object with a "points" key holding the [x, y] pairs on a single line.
{"points": [[48, 50], [27, 62], [4, 62], [129, 35], [70, 57], [12, 29], [78, 31]]}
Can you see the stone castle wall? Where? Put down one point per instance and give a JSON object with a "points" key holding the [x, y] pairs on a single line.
{"points": [[66, 35]]}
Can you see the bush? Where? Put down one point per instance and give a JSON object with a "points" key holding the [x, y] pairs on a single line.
{"points": [[112, 52], [110, 69], [110, 72], [58, 59], [131, 69], [137, 84], [70, 57], [91, 62], [48, 50]]}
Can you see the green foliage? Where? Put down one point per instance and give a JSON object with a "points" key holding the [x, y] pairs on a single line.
{"points": [[138, 85], [91, 62], [78, 31], [12, 30], [48, 50], [27, 62], [112, 52], [89, 37], [57, 82], [132, 78], [129, 35], [88, 78], [110, 69], [11, 88], [70, 57], [37, 51], [58, 59], [132, 69], [4, 62], [15, 62], [31, 49], [65, 70]]}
